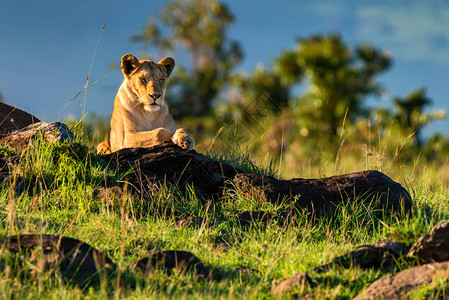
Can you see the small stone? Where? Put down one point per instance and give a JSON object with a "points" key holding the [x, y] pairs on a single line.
{"points": [[52, 132], [433, 247]]}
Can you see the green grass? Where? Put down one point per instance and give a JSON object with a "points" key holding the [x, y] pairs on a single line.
{"points": [[52, 190]]}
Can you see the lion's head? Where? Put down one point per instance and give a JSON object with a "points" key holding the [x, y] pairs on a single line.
{"points": [[145, 80]]}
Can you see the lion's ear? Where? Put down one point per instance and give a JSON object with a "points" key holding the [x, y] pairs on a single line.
{"points": [[168, 63], [129, 64]]}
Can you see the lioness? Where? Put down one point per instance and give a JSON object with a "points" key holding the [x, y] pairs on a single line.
{"points": [[140, 117]]}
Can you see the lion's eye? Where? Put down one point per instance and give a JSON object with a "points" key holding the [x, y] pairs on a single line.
{"points": [[143, 80], [161, 80]]}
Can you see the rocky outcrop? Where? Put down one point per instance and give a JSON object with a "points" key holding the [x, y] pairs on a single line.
{"points": [[318, 196], [12, 119], [169, 164], [51, 132], [432, 250], [398, 286]]}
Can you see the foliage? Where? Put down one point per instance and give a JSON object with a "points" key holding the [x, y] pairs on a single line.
{"points": [[339, 80], [1, 97], [410, 115], [406, 122], [330, 116], [199, 27]]}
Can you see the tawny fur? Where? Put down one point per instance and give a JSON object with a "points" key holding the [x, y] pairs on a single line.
{"points": [[140, 117]]}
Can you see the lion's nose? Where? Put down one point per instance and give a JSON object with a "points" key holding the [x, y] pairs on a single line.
{"points": [[155, 96]]}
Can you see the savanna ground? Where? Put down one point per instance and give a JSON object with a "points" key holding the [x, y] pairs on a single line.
{"points": [[51, 189]]}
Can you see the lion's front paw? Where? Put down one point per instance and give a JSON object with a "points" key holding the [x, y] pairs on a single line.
{"points": [[104, 148], [183, 139]]}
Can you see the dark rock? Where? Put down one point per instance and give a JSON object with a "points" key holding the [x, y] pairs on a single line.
{"points": [[382, 255], [12, 119], [49, 252], [299, 280], [169, 163], [318, 195], [182, 261], [190, 221], [249, 217], [398, 286], [52, 132], [433, 247]]}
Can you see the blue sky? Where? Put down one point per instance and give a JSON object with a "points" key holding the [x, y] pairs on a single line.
{"points": [[46, 47]]}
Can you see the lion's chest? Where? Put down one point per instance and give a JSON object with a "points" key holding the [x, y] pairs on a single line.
{"points": [[148, 122]]}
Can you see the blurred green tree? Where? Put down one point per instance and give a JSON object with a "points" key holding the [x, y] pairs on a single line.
{"points": [[200, 27], [409, 113], [338, 80], [1, 97]]}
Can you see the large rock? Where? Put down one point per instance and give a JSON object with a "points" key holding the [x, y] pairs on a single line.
{"points": [[433, 247], [51, 252], [169, 163], [12, 119], [319, 195], [398, 286], [52, 132]]}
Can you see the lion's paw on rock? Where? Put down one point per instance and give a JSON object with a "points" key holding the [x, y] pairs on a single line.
{"points": [[183, 139]]}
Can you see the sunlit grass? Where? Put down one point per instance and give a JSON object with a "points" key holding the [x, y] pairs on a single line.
{"points": [[52, 190]]}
